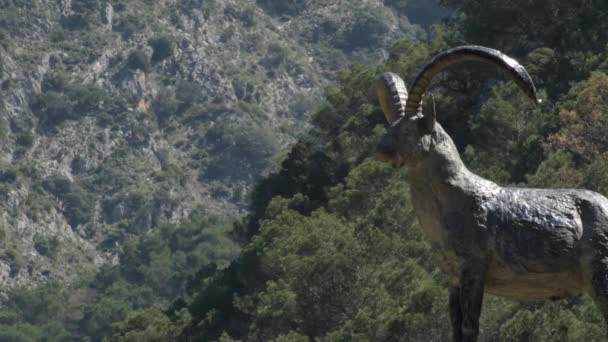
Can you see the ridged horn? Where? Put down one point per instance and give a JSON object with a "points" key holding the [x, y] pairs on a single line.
{"points": [[467, 53], [392, 95]]}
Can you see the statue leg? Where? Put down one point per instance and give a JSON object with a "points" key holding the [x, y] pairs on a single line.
{"points": [[599, 284], [455, 314], [594, 261], [471, 298]]}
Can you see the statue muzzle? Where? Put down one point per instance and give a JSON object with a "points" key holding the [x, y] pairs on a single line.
{"points": [[386, 150]]}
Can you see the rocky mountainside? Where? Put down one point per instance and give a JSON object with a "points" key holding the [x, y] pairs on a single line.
{"points": [[118, 116]]}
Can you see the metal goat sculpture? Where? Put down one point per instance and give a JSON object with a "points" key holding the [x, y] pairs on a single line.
{"points": [[524, 244]]}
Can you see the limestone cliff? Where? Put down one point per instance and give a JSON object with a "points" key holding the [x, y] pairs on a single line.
{"points": [[118, 115]]}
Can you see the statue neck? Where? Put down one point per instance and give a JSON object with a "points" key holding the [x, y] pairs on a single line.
{"points": [[436, 182], [443, 164], [440, 183]]}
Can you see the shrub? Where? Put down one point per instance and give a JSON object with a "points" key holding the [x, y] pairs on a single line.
{"points": [[46, 246], [138, 60], [79, 165], [88, 10], [282, 7], [239, 143], [165, 104], [8, 174], [86, 98], [139, 136], [25, 138], [74, 22], [123, 207], [3, 125], [38, 206], [421, 12], [367, 31], [54, 82], [105, 120], [325, 30], [78, 205], [276, 55], [301, 105], [162, 46], [398, 5], [14, 260], [187, 94], [52, 108], [245, 16], [129, 25], [61, 100], [227, 34], [5, 39], [57, 185], [244, 90]]}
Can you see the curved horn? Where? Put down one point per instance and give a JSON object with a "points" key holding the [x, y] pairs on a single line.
{"points": [[468, 53], [392, 94]]}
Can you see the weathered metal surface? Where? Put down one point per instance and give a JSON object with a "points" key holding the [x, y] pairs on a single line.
{"points": [[463, 54], [524, 244]]}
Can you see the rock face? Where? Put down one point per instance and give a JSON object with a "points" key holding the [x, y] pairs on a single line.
{"points": [[116, 116]]}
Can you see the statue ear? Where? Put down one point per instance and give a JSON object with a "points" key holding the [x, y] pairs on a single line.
{"points": [[426, 124]]}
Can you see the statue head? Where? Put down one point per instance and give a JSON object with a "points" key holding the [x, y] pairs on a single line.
{"points": [[408, 138], [412, 117]]}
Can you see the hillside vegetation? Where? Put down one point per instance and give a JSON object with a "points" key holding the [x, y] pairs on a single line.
{"points": [[332, 251], [132, 133], [329, 249], [118, 117]]}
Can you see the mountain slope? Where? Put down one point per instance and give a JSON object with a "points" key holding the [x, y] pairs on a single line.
{"points": [[119, 116]]}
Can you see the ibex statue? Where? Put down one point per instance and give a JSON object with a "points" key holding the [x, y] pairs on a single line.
{"points": [[524, 244]]}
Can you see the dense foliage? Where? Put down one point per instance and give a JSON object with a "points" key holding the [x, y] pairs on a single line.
{"points": [[154, 268], [330, 249], [132, 132], [340, 257]]}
